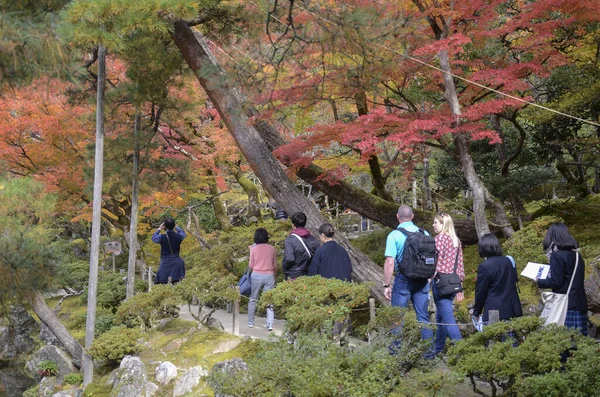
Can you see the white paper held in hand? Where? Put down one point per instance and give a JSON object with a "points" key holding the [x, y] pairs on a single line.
{"points": [[536, 270]]}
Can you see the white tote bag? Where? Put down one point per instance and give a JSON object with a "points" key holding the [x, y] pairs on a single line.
{"points": [[556, 305]]}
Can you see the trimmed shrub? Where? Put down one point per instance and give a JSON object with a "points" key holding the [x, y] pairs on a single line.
{"points": [[145, 310], [315, 303], [116, 343], [533, 367]]}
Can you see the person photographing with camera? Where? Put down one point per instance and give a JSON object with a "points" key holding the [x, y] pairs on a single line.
{"points": [[171, 264]]}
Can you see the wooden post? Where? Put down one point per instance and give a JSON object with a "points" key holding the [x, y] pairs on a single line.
{"points": [[149, 279], [113, 259], [236, 312], [371, 309], [494, 317]]}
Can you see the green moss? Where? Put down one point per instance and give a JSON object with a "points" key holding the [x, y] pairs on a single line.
{"points": [[372, 244], [98, 388]]}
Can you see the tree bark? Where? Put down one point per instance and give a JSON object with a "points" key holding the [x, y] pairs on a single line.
{"points": [[90, 323], [47, 316], [218, 207], [135, 190], [251, 191], [259, 157], [428, 202]]}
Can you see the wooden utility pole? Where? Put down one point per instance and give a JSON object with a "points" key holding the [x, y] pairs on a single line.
{"points": [[135, 189], [90, 322]]}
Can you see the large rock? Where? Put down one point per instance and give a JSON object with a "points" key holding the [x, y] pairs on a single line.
{"points": [[228, 368], [131, 379], [14, 337], [189, 380], [48, 337], [57, 356], [73, 392], [48, 387], [165, 373], [14, 381]]}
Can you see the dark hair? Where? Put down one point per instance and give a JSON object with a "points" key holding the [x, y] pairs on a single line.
{"points": [[299, 219], [558, 236], [261, 236], [327, 230], [489, 246], [170, 223]]}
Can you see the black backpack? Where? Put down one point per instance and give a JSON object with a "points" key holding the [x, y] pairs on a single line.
{"points": [[419, 257]]}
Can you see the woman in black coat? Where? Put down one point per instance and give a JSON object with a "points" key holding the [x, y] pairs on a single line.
{"points": [[560, 248], [496, 286]]}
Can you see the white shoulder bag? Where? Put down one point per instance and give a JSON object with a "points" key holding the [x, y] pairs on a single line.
{"points": [[556, 305]]}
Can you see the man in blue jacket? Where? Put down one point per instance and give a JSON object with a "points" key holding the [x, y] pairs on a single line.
{"points": [[405, 289]]}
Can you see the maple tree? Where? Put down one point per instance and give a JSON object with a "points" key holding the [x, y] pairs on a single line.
{"points": [[525, 42]]}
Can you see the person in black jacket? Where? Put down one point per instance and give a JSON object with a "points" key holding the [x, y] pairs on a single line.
{"points": [[299, 248], [560, 248], [331, 260], [171, 264], [496, 286]]}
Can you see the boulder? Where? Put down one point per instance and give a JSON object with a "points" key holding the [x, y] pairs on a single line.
{"points": [[73, 392], [48, 386], [14, 380], [57, 356], [165, 373], [214, 323], [48, 337], [14, 337], [131, 379], [228, 368], [189, 380], [231, 366]]}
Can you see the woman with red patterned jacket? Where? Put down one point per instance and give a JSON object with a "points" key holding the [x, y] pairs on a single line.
{"points": [[450, 257]]}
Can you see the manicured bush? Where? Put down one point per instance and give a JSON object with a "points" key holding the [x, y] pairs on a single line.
{"points": [[533, 367], [315, 303], [211, 288], [146, 309], [116, 343], [111, 290]]}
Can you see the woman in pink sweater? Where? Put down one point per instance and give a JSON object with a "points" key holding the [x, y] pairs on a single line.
{"points": [[263, 263]]}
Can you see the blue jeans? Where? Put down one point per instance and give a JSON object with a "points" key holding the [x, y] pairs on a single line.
{"points": [[444, 317], [416, 291], [260, 282]]}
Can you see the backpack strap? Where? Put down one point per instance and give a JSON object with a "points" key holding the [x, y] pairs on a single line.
{"points": [[304, 245], [169, 241]]}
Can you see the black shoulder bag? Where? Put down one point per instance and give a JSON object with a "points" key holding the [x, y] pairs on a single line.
{"points": [[448, 284]]}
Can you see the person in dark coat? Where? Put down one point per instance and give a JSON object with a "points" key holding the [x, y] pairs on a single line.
{"points": [[496, 286], [298, 248], [560, 248], [331, 260], [171, 264]]}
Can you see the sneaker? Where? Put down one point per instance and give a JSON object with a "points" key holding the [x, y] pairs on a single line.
{"points": [[269, 328], [250, 325]]}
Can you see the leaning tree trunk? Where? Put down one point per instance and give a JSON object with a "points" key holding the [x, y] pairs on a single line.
{"points": [[366, 204], [251, 191], [90, 322], [259, 157], [47, 316], [217, 204], [135, 190]]}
